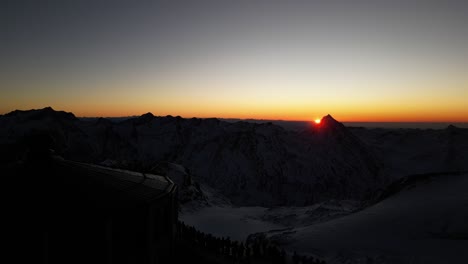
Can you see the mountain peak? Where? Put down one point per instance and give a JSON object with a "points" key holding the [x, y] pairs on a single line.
{"points": [[50, 112], [328, 118], [144, 118], [329, 121], [35, 114], [147, 115], [48, 109]]}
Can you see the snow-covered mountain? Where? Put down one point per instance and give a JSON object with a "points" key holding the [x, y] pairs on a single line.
{"points": [[251, 164]]}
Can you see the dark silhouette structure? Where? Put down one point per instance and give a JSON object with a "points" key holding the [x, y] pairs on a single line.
{"points": [[200, 247], [83, 213]]}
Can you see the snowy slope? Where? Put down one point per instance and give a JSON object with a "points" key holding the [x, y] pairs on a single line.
{"points": [[424, 223], [222, 219]]}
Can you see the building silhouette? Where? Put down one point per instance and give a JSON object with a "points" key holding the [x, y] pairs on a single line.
{"points": [[84, 213]]}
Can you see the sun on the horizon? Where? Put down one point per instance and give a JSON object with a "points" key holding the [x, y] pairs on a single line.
{"points": [[317, 121]]}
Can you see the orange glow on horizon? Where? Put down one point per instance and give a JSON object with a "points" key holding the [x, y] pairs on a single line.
{"points": [[350, 111], [286, 114]]}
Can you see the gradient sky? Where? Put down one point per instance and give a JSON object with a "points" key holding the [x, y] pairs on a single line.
{"points": [[298, 60]]}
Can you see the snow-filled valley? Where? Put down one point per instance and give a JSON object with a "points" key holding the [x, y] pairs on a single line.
{"points": [[424, 223]]}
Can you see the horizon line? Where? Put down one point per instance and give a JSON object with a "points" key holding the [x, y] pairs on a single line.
{"points": [[269, 119], [249, 118]]}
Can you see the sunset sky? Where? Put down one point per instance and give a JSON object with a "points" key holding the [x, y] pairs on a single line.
{"points": [[293, 60]]}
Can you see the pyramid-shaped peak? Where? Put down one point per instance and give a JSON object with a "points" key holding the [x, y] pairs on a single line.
{"points": [[328, 123], [328, 119]]}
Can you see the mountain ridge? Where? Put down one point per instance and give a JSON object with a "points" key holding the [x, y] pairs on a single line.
{"points": [[252, 164]]}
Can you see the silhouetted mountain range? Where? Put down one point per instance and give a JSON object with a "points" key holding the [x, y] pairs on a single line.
{"points": [[252, 164]]}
